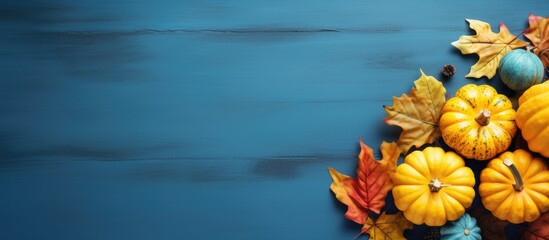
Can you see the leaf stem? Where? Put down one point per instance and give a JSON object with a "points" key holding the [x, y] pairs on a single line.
{"points": [[544, 52]]}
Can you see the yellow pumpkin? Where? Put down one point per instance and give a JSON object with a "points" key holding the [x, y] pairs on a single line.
{"points": [[478, 122], [515, 186], [433, 186], [533, 118]]}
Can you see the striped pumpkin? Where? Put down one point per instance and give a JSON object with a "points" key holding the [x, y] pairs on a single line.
{"points": [[478, 122], [533, 118]]}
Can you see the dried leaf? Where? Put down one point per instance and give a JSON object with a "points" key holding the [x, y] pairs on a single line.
{"points": [[538, 33], [538, 229], [418, 113], [368, 191], [489, 46], [387, 226], [390, 155], [492, 228]]}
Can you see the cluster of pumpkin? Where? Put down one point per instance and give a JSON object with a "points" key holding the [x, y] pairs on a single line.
{"points": [[433, 186]]}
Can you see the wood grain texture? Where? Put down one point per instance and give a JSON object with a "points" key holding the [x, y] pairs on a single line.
{"points": [[207, 119]]}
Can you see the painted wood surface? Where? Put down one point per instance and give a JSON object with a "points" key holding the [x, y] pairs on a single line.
{"points": [[208, 119]]}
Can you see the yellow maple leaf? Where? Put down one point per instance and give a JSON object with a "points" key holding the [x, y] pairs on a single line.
{"points": [[418, 113], [489, 46], [387, 226]]}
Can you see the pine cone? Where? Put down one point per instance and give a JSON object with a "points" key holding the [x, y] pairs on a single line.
{"points": [[448, 70]]}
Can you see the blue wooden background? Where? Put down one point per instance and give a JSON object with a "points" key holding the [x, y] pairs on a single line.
{"points": [[208, 119]]}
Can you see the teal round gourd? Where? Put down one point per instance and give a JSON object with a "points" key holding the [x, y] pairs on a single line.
{"points": [[465, 228], [520, 69]]}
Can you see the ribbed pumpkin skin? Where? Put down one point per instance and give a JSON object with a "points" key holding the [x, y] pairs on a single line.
{"points": [[533, 118], [455, 230], [499, 196], [465, 135], [520, 69], [413, 195]]}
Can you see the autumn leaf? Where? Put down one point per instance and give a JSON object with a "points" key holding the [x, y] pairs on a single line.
{"points": [[489, 46], [387, 226], [390, 155], [538, 229], [492, 228], [368, 191], [418, 113], [538, 33]]}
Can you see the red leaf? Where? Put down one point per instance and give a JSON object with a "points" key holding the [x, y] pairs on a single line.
{"points": [[538, 229], [367, 192], [491, 227]]}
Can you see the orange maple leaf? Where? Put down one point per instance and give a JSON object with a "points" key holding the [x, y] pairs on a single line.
{"points": [[387, 226], [538, 33], [367, 192], [489, 46]]}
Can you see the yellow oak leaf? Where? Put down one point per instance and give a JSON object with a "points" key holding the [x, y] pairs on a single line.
{"points": [[368, 190], [387, 226], [538, 33], [418, 113], [489, 46]]}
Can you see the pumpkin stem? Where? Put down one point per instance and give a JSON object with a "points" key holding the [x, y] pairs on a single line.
{"points": [[483, 117], [435, 185], [519, 184]]}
